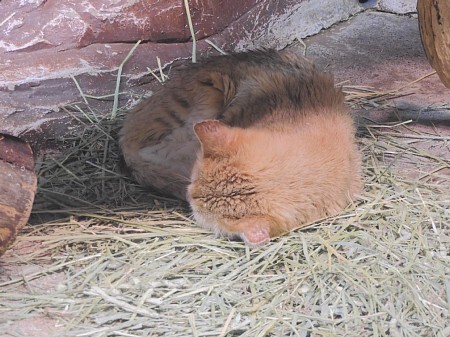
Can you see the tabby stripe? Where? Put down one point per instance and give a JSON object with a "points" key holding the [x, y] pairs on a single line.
{"points": [[164, 123], [174, 115], [180, 100]]}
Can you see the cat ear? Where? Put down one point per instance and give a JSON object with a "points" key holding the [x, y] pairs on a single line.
{"points": [[224, 83], [213, 135], [221, 82]]}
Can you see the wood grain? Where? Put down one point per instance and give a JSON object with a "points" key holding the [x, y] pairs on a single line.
{"points": [[434, 24], [17, 188]]}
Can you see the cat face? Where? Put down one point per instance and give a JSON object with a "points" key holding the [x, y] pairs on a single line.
{"points": [[258, 183], [224, 194]]}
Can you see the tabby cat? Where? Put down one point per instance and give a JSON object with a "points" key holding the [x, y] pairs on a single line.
{"points": [[258, 143]]}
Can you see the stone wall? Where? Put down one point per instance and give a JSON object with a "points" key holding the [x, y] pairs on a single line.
{"points": [[45, 45]]}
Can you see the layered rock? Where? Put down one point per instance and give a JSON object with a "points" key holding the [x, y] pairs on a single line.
{"points": [[47, 46]]}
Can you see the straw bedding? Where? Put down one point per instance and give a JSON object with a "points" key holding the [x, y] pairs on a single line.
{"points": [[106, 258]]}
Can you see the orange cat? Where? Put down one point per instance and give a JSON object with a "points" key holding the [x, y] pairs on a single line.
{"points": [[277, 143]]}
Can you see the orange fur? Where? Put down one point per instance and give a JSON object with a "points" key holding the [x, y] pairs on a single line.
{"points": [[258, 183]]}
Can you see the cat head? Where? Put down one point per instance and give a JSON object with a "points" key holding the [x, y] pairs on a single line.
{"points": [[257, 183], [234, 188]]}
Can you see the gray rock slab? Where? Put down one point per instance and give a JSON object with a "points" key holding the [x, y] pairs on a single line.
{"points": [[384, 51], [372, 48], [45, 44]]}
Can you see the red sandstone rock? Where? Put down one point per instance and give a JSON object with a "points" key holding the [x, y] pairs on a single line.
{"points": [[44, 44]]}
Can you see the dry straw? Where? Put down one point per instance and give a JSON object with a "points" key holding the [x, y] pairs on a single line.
{"points": [[106, 258]]}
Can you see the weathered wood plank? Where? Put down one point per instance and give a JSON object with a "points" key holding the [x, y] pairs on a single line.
{"points": [[434, 23], [17, 188]]}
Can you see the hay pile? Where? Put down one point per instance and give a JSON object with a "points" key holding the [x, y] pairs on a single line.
{"points": [[107, 258]]}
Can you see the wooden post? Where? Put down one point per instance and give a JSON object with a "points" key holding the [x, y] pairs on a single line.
{"points": [[434, 24], [17, 188]]}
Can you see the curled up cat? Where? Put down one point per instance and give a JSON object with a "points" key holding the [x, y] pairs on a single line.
{"points": [[258, 143]]}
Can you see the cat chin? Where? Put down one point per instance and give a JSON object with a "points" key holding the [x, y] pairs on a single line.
{"points": [[207, 221], [255, 237]]}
